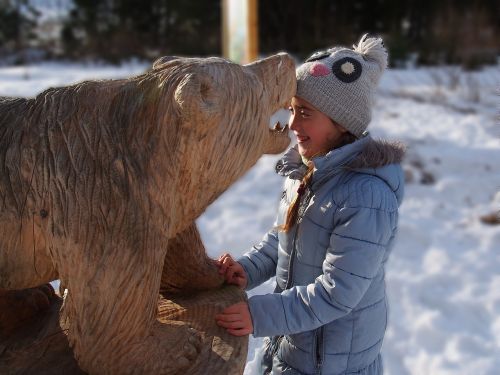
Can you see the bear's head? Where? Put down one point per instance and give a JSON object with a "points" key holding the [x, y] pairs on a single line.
{"points": [[222, 114]]}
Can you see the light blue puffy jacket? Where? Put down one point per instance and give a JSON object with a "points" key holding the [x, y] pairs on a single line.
{"points": [[330, 302]]}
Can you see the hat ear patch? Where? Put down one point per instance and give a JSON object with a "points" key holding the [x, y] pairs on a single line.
{"points": [[318, 56], [347, 69], [319, 70]]}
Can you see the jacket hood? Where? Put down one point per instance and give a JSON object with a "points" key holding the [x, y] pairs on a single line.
{"points": [[379, 158], [382, 159]]}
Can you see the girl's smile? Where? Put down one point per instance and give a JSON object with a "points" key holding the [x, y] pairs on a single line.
{"points": [[301, 138]]}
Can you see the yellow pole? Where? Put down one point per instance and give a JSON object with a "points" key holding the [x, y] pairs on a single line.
{"points": [[252, 46], [225, 28], [240, 30]]}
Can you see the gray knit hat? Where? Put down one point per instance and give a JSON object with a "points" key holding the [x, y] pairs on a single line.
{"points": [[341, 82]]}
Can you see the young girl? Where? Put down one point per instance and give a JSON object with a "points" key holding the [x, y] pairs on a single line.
{"points": [[336, 225]]}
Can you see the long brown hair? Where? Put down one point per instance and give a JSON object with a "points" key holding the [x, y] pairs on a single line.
{"points": [[293, 209]]}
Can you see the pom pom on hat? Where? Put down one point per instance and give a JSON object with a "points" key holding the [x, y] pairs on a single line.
{"points": [[372, 49]]}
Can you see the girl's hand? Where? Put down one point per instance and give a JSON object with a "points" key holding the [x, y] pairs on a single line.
{"points": [[233, 271], [236, 319]]}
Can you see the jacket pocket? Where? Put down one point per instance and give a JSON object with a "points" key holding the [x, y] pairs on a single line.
{"points": [[303, 341]]}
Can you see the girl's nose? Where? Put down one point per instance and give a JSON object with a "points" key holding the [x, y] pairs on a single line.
{"points": [[294, 124]]}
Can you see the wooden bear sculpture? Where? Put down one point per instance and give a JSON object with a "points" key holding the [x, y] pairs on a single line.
{"points": [[100, 186]]}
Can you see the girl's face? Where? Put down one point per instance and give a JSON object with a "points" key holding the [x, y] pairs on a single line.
{"points": [[316, 133]]}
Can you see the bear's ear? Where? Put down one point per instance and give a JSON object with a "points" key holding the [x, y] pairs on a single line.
{"points": [[198, 98], [162, 60]]}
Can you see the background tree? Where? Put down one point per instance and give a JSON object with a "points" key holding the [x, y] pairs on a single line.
{"points": [[427, 31], [17, 21], [114, 29], [436, 31]]}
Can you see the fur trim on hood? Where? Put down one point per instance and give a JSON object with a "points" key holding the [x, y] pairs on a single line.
{"points": [[378, 153], [372, 154]]}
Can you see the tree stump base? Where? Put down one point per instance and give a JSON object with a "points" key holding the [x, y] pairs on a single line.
{"points": [[40, 346]]}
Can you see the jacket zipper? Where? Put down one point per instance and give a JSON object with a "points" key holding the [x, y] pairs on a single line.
{"points": [[319, 349], [291, 262]]}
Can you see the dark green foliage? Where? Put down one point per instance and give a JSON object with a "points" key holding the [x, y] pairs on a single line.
{"points": [[432, 31], [122, 28], [437, 31], [17, 22]]}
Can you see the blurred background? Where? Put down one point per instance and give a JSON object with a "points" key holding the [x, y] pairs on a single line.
{"points": [[425, 32], [440, 96]]}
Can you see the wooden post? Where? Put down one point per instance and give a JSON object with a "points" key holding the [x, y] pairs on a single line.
{"points": [[225, 28], [253, 30], [240, 30]]}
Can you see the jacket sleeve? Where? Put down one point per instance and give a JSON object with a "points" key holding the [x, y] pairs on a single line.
{"points": [[354, 257], [260, 262]]}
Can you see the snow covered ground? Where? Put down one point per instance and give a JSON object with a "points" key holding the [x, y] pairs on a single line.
{"points": [[443, 278]]}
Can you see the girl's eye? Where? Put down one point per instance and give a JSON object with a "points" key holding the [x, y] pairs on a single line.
{"points": [[301, 112]]}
